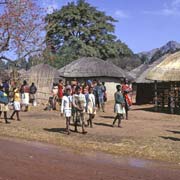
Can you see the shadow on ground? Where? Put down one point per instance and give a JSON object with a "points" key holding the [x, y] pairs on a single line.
{"points": [[175, 132], [170, 138], [152, 109], [56, 130], [107, 117], [103, 124]]}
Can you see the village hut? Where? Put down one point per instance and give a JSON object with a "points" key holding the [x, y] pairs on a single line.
{"points": [[144, 88], [94, 68], [166, 77], [4, 75], [43, 75]]}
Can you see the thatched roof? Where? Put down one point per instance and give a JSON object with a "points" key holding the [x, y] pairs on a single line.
{"points": [[141, 72], [41, 71], [91, 67], [22, 71], [167, 70]]}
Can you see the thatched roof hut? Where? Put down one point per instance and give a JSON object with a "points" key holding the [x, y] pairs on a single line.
{"points": [[144, 88], [166, 76], [167, 70], [95, 68], [4, 75], [43, 75], [141, 71], [92, 67]]}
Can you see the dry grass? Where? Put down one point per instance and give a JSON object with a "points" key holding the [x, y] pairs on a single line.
{"points": [[146, 135]]}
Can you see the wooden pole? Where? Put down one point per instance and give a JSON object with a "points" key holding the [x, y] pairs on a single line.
{"points": [[172, 103], [156, 96]]}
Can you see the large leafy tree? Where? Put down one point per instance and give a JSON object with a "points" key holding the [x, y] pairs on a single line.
{"points": [[78, 29]]}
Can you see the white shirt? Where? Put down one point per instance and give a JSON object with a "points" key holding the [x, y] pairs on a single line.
{"points": [[66, 103], [91, 99], [80, 97]]}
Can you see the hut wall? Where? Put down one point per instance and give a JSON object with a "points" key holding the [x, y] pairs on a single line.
{"points": [[144, 93], [43, 77]]}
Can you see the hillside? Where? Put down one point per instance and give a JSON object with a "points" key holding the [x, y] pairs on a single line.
{"points": [[153, 55]]}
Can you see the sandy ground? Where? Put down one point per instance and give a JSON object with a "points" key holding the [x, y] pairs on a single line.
{"points": [[21, 160], [146, 134]]}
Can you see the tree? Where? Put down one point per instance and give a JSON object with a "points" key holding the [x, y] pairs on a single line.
{"points": [[82, 30], [21, 24]]}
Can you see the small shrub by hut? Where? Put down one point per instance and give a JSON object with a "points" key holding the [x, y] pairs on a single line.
{"points": [[94, 68], [166, 77]]}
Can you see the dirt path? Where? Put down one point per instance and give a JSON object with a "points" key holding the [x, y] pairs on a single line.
{"points": [[36, 161]]}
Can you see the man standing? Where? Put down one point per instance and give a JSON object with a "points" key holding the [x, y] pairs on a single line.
{"points": [[32, 92], [99, 94], [79, 104]]}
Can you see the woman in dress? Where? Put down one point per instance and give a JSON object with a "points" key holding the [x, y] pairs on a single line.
{"points": [[91, 107], [119, 106]]}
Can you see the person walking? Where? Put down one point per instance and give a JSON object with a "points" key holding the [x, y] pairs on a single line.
{"points": [[91, 107], [66, 108], [79, 105], [4, 104], [16, 104], [119, 106]]}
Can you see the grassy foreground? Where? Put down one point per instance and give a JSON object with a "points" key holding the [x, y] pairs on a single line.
{"points": [[115, 141]]}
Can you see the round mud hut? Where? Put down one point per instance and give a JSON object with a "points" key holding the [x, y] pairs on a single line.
{"points": [[166, 77], [94, 68]]}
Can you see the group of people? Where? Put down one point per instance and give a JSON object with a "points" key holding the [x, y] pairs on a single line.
{"points": [[18, 96], [77, 99]]}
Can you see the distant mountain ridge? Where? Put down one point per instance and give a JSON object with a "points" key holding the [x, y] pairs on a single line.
{"points": [[153, 55]]}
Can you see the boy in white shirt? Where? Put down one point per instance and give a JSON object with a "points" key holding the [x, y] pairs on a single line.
{"points": [[66, 108]]}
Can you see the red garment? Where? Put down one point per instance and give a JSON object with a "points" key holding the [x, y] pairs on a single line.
{"points": [[128, 99], [125, 87], [60, 91], [25, 88]]}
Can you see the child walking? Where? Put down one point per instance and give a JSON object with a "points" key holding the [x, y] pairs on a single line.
{"points": [[16, 104], [66, 108]]}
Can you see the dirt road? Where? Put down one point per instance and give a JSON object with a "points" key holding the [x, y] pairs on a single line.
{"points": [[21, 160]]}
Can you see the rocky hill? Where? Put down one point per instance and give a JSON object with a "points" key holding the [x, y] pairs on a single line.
{"points": [[153, 55]]}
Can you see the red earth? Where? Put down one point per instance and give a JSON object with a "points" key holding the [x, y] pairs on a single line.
{"points": [[22, 160]]}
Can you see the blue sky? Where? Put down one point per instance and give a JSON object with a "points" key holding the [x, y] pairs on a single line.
{"points": [[143, 24]]}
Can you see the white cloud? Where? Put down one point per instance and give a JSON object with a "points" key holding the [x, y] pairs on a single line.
{"points": [[168, 9], [121, 14]]}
